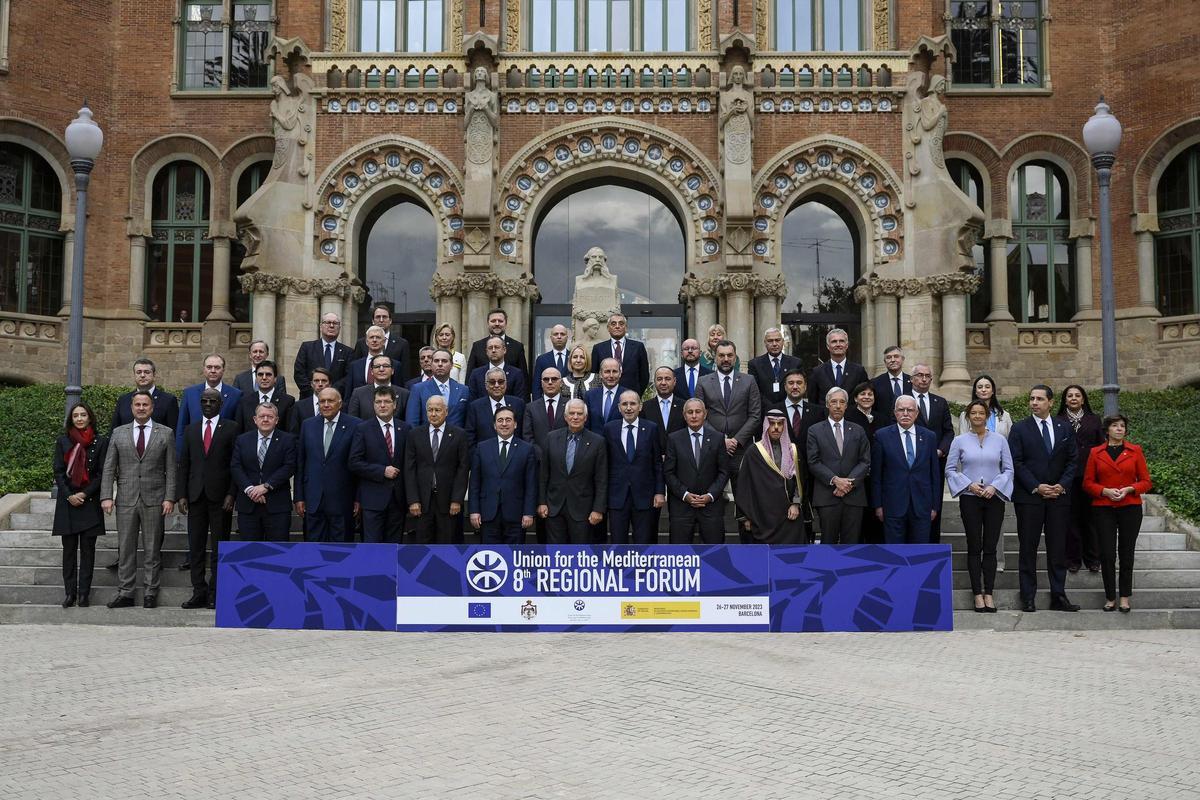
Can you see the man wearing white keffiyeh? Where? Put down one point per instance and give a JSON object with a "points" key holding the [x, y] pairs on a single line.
{"points": [[768, 490]]}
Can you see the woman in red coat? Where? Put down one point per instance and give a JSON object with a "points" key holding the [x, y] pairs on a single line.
{"points": [[1116, 477]]}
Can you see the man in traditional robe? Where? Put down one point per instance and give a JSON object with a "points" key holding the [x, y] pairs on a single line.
{"points": [[768, 492]]}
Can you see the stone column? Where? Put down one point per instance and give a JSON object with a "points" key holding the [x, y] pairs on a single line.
{"points": [[349, 320], [137, 268], [737, 314], [886, 323], [870, 345], [68, 256], [449, 311], [920, 336], [705, 315], [264, 317], [1085, 309], [479, 289], [998, 232], [1144, 228], [769, 292], [332, 304], [954, 381], [221, 233]]}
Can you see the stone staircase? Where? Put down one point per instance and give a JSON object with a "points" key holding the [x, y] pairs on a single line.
{"points": [[1166, 579]]}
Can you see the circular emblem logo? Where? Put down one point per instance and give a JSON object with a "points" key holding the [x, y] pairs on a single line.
{"points": [[580, 605], [486, 571]]}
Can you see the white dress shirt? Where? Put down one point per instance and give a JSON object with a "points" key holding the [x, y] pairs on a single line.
{"points": [[149, 425]]}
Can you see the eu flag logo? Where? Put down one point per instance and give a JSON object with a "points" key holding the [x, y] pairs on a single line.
{"points": [[479, 610]]}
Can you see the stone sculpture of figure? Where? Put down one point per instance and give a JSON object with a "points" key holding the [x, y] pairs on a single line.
{"points": [[596, 297], [481, 118], [290, 111], [596, 263], [736, 123]]}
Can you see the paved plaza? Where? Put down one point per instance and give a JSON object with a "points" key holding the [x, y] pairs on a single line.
{"points": [[125, 712]]}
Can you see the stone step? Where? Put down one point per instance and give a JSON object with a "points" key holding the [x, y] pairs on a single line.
{"points": [[1088, 598], [44, 521], [163, 616], [1087, 620], [49, 595], [52, 576], [1147, 540]]}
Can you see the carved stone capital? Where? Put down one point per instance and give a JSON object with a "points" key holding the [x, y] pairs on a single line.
{"points": [[954, 283], [895, 287], [264, 282], [523, 287], [694, 286], [770, 286]]}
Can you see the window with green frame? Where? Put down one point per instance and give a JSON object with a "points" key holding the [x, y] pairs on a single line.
{"points": [[31, 245], [180, 264], [251, 178], [818, 25], [216, 55], [1177, 244], [1041, 260], [969, 181], [411, 26], [998, 42]]}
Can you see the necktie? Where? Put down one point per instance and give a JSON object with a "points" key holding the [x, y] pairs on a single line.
{"points": [[666, 411], [264, 399], [445, 390], [550, 412], [570, 452], [387, 438], [837, 374], [263, 443], [328, 355], [328, 434], [629, 443], [775, 368], [696, 448], [796, 419], [1046, 437], [728, 390], [837, 437], [207, 435], [618, 351], [691, 382], [924, 409], [560, 364], [503, 455], [607, 403], [499, 406], [909, 453], [895, 387], [434, 445], [141, 441]]}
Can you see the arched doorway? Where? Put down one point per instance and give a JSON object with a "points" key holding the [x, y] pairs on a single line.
{"points": [[820, 257], [397, 256], [643, 238]]}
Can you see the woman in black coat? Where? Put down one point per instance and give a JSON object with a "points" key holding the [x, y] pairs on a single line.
{"points": [[862, 412], [1082, 543], [78, 461]]}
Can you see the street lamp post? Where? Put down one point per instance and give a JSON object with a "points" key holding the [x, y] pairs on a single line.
{"points": [[1102, 137], [84, 139]]}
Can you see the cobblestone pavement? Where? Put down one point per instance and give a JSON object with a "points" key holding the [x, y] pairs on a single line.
{"points": [[121, 712]]}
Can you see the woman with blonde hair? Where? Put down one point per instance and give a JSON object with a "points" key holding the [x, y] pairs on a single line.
{"points": [[443, 337], [708, 359], [579, 377]]}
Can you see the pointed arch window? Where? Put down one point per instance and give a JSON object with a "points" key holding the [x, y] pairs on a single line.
{"points": [[31, 244]]}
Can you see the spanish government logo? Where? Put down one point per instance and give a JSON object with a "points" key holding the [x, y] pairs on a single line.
{"points": [[529, 610], [486, 571]]}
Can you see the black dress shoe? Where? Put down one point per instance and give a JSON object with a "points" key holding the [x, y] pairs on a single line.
{"points": [[212, 602], [195, 601], [989, 609], [1073, 567], [150, 601], [121, 602], [1093, 567], [1028, 606], [185, 566], [84, 602], [1124, 609], [68, 601], [1061, 603], [1107, 607]]}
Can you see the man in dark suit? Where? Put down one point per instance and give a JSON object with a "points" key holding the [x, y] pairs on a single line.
{"points": [[504, 484], [734, 408], [246, 381], [555, 357], [495, 355], [892, 382], [166, 405], [688, 375], [324, 351], [435, 474], [481, 413], [324, 486], [838, 370], [573, 479], [546, 413], [665, 409], [769, 368], [905, 477], [801, 415], [309, 407], [456, 395], [362, 402], [839, 459], [696, 470], [189, 407], [514, 354], [359, 373], [636, 488], [377, 461], [1044, 461], [425, 371], [629, 353], [602, 400], [205, 487], [266, 389], [394, 347], [933, 412], [263, 463]]}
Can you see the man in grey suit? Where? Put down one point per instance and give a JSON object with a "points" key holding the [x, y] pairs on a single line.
{"points": [[839, 459], [141, 462], [734, 408], [544, 414], [573, 487]]}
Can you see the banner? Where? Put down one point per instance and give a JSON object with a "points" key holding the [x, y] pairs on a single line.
{"points": [[582, 588]]}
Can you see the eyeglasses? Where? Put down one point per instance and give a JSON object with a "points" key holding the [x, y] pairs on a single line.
{"points": [[332, 322], [549, 379], [496, 383]]}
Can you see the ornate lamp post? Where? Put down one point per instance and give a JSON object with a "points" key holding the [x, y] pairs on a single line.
{"points": [[84, 139], [1102, 137]]}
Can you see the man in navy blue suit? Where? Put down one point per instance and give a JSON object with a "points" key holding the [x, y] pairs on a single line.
{"points": [[359, 373], [635, 474], [838, 370], [504, 484], [166, 405], [687, 376], [603, 400], [377, 461], [769, 368], [264, 461], [1044, 455], [325, 351], [481, 413], [555, 357], [456, 395], [629, 353], [496, 352], [189, 409], [892, 382], [324, 485], [905, 478]]}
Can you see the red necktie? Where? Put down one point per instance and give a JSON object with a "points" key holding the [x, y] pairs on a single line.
{"points": [[796, 422], [141, 442], [207, 435], [387, 438], [550, 412], [617, 350]]}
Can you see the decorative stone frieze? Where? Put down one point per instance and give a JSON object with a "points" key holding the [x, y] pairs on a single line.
{"points": [[342, 286], [954, 283], [1047, 337], [30, 329], [443, 285], [174, 335], [1178, 330], [716, 285]]}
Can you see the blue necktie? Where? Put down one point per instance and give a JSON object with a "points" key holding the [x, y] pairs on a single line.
{"points": [[726, 391], [560, 364], [909, 453], [570, 452], [607, 403], [837, 374], [629, 444], [691, 382], [775, 368], [1046, 437], [328, 355]]}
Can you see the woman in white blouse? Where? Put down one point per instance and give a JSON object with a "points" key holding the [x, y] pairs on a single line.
{"points": [[579, 377], [443, 337], [998, 421]]}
